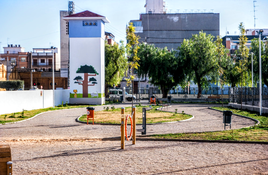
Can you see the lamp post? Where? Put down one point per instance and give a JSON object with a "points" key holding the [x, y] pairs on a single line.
{"points": [[53, 76], [252, 67], [260, 80]]}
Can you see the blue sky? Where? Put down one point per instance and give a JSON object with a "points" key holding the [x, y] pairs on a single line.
{"points": [[35, 23]]}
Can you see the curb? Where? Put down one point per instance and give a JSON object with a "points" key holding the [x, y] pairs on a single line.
{"points": [[257, 121], [35, 116], [208, 141], [138, 138], [77, 120]]}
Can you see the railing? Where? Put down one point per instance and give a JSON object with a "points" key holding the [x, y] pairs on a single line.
{"points": [[192, 91], [249, 96]]}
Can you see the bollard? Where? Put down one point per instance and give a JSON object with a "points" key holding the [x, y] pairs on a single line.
{"points": [[122, 128], [134, 125]]}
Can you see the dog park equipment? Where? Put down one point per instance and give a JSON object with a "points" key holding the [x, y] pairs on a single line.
{"points": [[90, 114], [87, 64], [227, 118], [5, 160], [143, 131], [124, 127]]}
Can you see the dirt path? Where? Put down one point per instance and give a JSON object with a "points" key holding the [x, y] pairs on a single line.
{"points": [[62, 125], [144, 158]]}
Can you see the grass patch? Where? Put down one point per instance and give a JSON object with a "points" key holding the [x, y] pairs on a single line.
{"points": [[18, 116], [254, 133], [113, 116]]}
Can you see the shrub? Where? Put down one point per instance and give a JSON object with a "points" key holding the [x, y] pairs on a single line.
{"points": [[14, 84]]}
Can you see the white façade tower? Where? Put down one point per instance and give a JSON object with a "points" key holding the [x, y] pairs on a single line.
{"points": [[87, 63]]}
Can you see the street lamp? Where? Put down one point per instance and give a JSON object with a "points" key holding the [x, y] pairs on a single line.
{"points": [[53, 76], [260, 83]]}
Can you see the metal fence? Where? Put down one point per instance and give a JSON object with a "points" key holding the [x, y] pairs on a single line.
{"points": [[192, 92], [248, 96]]}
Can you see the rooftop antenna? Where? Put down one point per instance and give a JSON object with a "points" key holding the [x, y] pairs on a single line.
{"points": [[71, 8], [254, 6]]}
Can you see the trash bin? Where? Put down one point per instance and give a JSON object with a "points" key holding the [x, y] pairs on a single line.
{"points": [[169, 99], [227, 118], [152, 100], [90, 114]]}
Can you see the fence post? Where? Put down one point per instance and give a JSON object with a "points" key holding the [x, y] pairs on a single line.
{"points": [[134, 125], [122, 128]]}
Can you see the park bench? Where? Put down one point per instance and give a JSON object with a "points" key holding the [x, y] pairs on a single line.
{"points": [[163, 104], [214, 97]]}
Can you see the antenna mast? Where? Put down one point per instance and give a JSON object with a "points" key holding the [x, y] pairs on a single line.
{"points": [[71, 7], [254, 6]]}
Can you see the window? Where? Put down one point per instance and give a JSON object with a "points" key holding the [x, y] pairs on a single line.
{"points": [[2, 59], [43, 61], [13, 61], [23, 59], [90, 23], [35, 62]]}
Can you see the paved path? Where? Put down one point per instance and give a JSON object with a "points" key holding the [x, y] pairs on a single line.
{"points": [[62, 125]]}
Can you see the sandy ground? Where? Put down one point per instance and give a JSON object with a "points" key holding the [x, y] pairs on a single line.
{"points": [[146, 157]]}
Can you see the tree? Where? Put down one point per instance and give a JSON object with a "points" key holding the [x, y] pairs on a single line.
{"points": [[242, 55], [161, 65], [227, 65], [264, 61], [199, 55], [115, 65], [132, 50], [87, 71]]}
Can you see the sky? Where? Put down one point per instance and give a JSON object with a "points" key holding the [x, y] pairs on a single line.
{"points": [[36, 23]]}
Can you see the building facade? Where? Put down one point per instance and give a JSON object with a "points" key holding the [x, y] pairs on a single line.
{"points": [[169, 30], [87, 63], [14, 57]]}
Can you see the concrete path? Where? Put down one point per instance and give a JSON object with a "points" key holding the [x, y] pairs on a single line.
{"points": [[62, 125]]}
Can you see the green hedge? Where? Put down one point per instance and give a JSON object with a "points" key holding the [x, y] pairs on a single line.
{"points": [[14, 84]]}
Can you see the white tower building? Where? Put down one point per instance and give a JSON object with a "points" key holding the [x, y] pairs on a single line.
{"points": [[155, 6]]}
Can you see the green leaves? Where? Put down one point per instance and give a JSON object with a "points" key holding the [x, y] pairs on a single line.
{"points": [[199, 55], [115, 63]]}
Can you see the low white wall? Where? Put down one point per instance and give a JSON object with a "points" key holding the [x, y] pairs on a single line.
{"points": [[16, 101]]}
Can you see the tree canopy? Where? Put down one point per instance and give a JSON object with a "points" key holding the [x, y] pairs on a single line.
{"points": [[115, 64], [199, 55]]}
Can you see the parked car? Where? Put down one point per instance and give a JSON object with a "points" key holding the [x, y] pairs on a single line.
{"points": [[118, 94]]}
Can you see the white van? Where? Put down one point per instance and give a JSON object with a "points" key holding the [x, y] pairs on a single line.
{"points": [[117, 93]]}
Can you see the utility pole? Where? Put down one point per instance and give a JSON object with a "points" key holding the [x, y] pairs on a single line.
{"points": [[31, 69], [53, 77], [260, 83]]}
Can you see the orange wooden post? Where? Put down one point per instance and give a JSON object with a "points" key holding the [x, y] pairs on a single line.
{"points": [[9, 168], [122, 128], [134, 125]]}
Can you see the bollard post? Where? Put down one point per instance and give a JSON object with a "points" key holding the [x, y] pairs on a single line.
{"points": [[122, 128], [134, 125]]}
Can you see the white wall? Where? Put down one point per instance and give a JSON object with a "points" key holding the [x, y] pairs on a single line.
{"points": [[16, 101], [87, 51]]}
